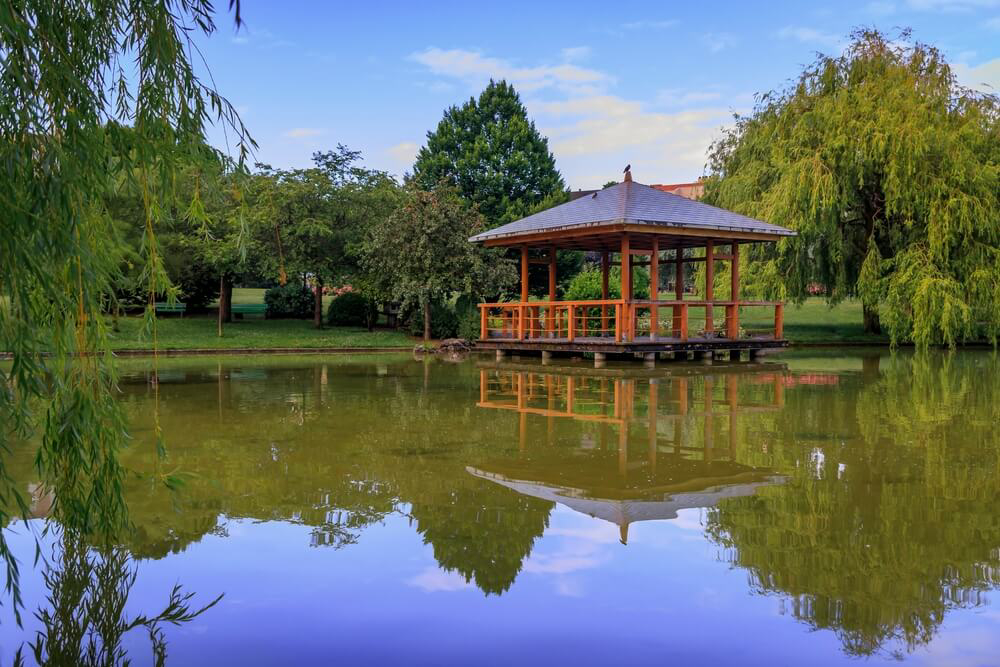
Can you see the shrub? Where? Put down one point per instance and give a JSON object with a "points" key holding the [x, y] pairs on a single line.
{"points": [[291, 301], [444, 322], [352, 309], [586, 285]]}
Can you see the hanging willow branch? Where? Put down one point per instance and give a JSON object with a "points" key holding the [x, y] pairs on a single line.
{"points": [[95, 97]]}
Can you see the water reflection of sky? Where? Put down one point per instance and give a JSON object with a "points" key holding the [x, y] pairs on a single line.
{"points": [[582, 598]]}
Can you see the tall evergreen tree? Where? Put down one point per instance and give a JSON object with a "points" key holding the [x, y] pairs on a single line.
{"points": [[890, 173], [490, 150]]}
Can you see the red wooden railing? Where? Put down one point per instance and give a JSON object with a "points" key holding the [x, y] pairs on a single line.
{"points": [[623, 321]]}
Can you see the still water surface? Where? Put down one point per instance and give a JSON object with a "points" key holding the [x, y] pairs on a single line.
{"points": [[813, 508]]}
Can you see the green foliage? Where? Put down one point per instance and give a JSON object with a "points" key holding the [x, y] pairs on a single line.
{"points": [[444, 322], [289, 301], [491, 151], [421, 253], [890, 173], [311, 221], [586, 285], [352, 309], [73, 73]]}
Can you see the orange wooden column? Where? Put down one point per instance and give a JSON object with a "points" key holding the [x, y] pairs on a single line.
{"points": [[654, 288], [678, 288], [733, 321], [779, 321], [524, 293], [550, 312], [626, 266], [605, 268], [709, 283]]}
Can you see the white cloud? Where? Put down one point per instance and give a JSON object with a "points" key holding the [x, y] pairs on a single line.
{"points": [[809, 36], [984, 77], [717, 41], [676, 97], [649, 25], [593, 137], [304, 132], [404, 153], [474, 68], [591, 132], [575, 53], [436, 580]]}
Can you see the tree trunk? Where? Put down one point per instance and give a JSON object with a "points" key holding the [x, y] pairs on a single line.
{"points": [[222, 304], [427, 320], [318, 307], [872, 325], [228, 311]]}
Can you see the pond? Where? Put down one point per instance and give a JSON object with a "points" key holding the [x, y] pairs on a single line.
{"points": [[810, 507]]}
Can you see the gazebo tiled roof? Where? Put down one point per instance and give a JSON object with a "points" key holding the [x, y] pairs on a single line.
{"points": [[635, 204]]}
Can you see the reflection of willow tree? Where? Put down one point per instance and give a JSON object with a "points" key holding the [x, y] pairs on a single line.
{"points": [[85, 622], [889, 518]]}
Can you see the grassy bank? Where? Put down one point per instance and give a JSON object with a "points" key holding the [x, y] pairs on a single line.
{"points": [[816, 322], [191, 333]]}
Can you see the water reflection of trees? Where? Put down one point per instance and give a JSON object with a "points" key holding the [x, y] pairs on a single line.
{"points": [[84, 620], [889, 518]]}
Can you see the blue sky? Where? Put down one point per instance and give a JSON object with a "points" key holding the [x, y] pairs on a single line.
{"points": [[608, 83]]}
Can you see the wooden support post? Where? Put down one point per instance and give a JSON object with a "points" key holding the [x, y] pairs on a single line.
{"points": [[571, 331], [605, 268], [550, 320], [654, 289], [678, 289], [484, 327], [709, 284], [684, 322], [779, 321], [520, 322], [524, 274], [627, 285], [733, 315]]}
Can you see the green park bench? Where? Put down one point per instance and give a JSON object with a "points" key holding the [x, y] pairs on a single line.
{"points": [[241, 309], [164, 308]]}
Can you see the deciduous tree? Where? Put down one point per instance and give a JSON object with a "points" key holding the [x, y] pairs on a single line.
{"points": [[422, 252]]}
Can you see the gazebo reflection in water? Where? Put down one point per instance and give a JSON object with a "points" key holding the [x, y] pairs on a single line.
{"points": [[645, 444]]}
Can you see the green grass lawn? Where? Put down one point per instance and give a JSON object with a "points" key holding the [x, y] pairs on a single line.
{"points": [[199, 332], [815, 322]]}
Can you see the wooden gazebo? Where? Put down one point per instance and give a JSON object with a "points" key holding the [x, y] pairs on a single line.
{"points": [[622, 222]]}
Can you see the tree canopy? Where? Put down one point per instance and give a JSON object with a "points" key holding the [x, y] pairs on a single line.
{"points": [[422, 252], [490, 150], [889, 171]]}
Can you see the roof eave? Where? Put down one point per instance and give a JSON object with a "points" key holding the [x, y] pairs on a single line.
{"points": [[486, 236]]}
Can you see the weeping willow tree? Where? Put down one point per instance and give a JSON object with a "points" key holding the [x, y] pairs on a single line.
{"points": [[95, 96], [889, 171]]}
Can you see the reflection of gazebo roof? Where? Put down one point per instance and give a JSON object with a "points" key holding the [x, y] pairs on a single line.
{"points": [[623, 505]]}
